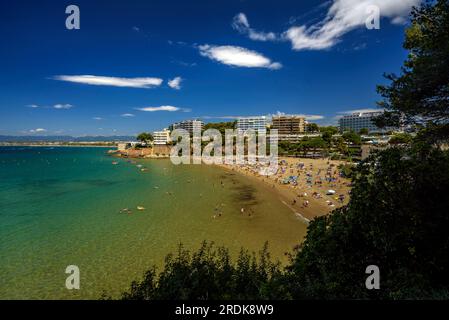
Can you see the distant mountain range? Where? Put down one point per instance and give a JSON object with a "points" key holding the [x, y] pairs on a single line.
{"points": [[65, 138]]}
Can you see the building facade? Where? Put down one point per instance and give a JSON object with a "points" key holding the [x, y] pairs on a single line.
{"points": [[161, 137], [258, 123], [189, 125], [289, 124], [358, 121]]}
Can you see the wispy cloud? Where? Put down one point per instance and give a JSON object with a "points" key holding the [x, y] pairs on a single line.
{"points": [[59, 106], [309, 117], [313, 117], [163, 108], [38, 130], [221, 117], [63, 106], [241, 24], [238, 57], [360, 111], [184, 63], [127, 115], [342, 17], [97, 118], [175, 83], [112, 81]]}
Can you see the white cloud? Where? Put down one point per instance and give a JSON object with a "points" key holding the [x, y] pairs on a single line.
{"points": [[56, 106], [221, 117], [63, 106], [241, 24], [360, 111], [38, 130], [310, 117], [238, 57], [112, 81], [127, 115], [97, 118], [313, 117], [175, 83], [161, 108], [342, 17]]}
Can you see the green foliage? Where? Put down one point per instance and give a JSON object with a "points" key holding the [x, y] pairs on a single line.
{"points": [[327, 136], [209, 274], [221, 126], [330, 129], [352, 137], [396, 219], [401, 138], [363, 131], [302, 147], [346, 170], [145, 137], [421, 92], [312, 127]]}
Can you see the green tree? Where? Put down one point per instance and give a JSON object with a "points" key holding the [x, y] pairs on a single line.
{"points": [[352, 137], [332, 130], [312, 127], [209, 273], [400, 138], [145, 137], [396, 219], [327, 136], [421, 93], [341, 145], [221, 126], [363, 131]]}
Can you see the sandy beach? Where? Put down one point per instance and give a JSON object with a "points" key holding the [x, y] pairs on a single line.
{"points": [[304, 184]]}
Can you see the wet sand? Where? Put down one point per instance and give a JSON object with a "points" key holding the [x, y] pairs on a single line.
{"points": [[307, 197]]}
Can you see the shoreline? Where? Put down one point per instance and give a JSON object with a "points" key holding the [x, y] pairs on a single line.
{"points": [[308, 198], [294, 197]]}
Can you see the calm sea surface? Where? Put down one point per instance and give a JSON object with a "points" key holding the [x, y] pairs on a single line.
{"points": [[61, 206]]}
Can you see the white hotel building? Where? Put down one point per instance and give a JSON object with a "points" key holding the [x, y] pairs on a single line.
{"points": [[161, 137], [189, 125], [360, 120], [257, 123]]}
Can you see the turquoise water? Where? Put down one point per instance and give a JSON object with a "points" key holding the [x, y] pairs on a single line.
{"points": [[61, 206]]}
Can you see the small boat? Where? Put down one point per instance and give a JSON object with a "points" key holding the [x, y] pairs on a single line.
{"points": [[114, 163], [144, 169], [140, 208]]}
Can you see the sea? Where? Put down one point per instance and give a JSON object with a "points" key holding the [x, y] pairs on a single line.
{"points": [[77, 206]]}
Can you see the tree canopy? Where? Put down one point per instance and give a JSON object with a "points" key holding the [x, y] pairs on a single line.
{"points": [[421, 93], [221, 126], [145, 137], [352, 137], [400, 138]]}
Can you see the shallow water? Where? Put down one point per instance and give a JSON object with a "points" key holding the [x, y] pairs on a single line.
{"points": [[61, 206]]}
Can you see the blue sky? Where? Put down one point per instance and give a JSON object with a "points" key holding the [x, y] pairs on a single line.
{"points": [[151, 63]]}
